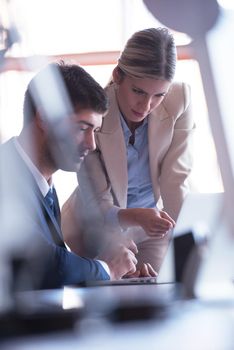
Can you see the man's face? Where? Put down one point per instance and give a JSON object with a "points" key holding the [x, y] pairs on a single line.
{"points": [[71, 139]]}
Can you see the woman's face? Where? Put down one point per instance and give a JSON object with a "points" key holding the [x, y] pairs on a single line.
{"points": [[137, 97]]}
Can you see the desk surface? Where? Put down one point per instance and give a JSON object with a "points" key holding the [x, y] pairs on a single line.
{"points": [[193, 324]]}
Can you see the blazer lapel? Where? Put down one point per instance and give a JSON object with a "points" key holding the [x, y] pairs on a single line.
{"points": [[158, 134], [29, 193], [112, 144], [54, 227]]}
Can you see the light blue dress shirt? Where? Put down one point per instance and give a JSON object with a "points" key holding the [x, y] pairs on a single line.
{"points": [[140, 192]]}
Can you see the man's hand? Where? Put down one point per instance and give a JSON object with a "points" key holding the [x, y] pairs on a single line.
{"points": [[120, 259], [145, 270], [156, 223]]}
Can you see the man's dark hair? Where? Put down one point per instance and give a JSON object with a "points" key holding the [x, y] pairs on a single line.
{"points": [[83, 90]]}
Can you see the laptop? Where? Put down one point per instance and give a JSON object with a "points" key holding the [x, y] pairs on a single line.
{"points": [[199, 215], [199, 212], [123, 281]]}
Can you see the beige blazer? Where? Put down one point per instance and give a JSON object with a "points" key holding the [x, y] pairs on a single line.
{"points": [[169, 138]]}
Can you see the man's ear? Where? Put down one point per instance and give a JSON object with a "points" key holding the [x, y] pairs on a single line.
{"points": [[117, 76]]}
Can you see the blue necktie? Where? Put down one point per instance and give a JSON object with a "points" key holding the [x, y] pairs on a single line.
{"points": [[52, 200]]}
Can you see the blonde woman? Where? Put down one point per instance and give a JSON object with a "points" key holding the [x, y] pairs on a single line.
{"points": [[143, 158]]}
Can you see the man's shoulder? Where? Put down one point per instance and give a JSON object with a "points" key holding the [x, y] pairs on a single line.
{"points": [[7, 145], [9, 157]]}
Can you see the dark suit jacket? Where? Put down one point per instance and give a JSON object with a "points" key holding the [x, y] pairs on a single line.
{"points": [[23, 203]]}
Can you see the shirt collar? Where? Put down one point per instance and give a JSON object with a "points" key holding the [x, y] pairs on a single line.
{"points": [[39, 178], [126, 130]]}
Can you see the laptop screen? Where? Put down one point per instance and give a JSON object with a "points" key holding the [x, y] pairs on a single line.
{"points": [[199, 214]]}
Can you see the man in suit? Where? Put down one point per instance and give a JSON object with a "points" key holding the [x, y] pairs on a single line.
{"points": [[63, 108]]}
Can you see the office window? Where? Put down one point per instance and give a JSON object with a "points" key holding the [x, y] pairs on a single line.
{"points": [[75, 26]]}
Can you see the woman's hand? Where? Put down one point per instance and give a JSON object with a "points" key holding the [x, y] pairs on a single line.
{"points": [[156, 223]]}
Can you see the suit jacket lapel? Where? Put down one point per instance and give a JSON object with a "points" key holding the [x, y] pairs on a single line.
{"points": [[159, 124], [38, 202], [52, 220], [112, 144]]}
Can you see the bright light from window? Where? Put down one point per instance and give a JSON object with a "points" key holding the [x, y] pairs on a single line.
{"points": [[72, 26], [226, 4]]}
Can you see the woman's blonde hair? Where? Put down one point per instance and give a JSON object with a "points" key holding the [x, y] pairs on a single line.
{"points": [[149, 53]]}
